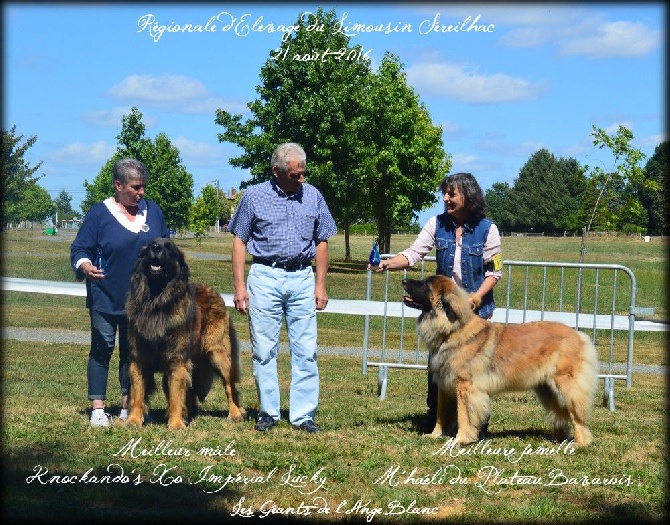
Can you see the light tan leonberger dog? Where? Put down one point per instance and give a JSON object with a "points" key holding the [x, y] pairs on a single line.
{"points": [[181, 329], [472, 358]]}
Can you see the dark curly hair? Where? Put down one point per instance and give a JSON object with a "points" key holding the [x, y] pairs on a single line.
{"points": [[466, 183]]}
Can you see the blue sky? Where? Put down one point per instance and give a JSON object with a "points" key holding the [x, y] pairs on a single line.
{"points": [[532, 76]]}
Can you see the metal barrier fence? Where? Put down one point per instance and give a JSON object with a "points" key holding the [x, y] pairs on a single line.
{"points": [[575, 294], [560, 296]]}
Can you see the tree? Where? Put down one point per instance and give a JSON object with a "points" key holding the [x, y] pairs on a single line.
{"points": [[657, 169], [404, 157], [500, 207], [18, 177], [36, 204], [225, 207], [315, 101], [205, 211], [169, 184], [102, 186], [63, 206], [546, 195], [132, 139], [320, 92], [618, 205]]}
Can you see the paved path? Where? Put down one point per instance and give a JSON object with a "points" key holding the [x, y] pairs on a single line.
{"points": [[56, 335]]}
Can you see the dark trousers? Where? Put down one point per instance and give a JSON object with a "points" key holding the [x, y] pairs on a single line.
{"points": [[103, 340]]}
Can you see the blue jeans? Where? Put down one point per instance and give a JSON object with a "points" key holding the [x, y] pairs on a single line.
{"points": [[103, 336], [274, 294]]}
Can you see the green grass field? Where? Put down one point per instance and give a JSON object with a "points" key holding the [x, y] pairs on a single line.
{"points": [[371, 463]]}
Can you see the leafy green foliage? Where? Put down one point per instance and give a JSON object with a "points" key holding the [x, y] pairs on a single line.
{"points": [[618, 205], [22, 198], [371, 149], [405, 157], [313, 102], [204, 211], [553, 195], [36, 204], [547, 194], [657, 203], [169, 184], [102, 186], [63, 206], [500, 207]]}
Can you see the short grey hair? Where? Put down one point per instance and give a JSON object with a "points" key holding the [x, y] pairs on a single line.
{"points": [[127, 169], [286, 152]]}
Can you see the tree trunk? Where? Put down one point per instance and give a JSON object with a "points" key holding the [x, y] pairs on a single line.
{"points": [[347, 246]]}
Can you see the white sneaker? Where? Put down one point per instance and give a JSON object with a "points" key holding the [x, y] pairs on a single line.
{"points": [[123, 415], [99, 418]]}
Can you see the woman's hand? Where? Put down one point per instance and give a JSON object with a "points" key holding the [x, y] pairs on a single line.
{"points": [[92, 272]]}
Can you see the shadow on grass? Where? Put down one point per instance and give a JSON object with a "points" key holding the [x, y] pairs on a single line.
{"points": [[40, 487], [421, 423], [343, 267], [629, 512]]}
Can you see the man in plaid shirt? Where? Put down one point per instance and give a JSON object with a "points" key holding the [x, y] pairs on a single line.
{"points": [[284, 223]]}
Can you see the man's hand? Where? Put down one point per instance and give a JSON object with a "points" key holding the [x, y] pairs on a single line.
{"points": [[321, 298], [241, 301]]}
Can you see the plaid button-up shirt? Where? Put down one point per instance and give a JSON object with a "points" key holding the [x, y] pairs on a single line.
{"points": [[280, 227]]}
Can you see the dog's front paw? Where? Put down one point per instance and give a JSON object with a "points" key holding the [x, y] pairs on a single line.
{"points": [[462, 439], [436, 433], [134, 421], [176, 424], [238, 417]]}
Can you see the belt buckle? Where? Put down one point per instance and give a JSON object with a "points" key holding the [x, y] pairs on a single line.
{"points": [[292, 267]]}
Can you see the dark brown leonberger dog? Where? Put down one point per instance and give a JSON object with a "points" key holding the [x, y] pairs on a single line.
{"points": [[182, 330], [472, 358]]}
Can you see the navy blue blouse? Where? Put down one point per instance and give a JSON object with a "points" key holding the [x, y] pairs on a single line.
{"points": [[101, 234]]}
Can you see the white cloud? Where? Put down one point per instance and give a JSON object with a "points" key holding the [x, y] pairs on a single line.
{"points": [[527, 148], [451, 128], [653, 140], [464, 162], [468, 85], [475, 164], [494, 143], [174, 93], [538, 26], [80, 154], [614, 127], [199, 154], [615, 39], [165, 88], [114, 117], [525, 37], [578, 32]]}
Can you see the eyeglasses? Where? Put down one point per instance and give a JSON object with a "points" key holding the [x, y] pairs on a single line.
{"points": [[296, 175]]}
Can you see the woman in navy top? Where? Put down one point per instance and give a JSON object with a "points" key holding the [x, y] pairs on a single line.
{"points": [[104, 253]]}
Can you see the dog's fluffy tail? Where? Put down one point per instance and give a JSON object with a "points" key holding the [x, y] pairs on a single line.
{"points": [[590, 368]]}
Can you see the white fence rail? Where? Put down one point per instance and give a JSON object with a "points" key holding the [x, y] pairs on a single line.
{"points": [[594, 320]]}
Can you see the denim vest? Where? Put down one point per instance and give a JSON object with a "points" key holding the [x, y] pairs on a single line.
{"points": [[472, 256]]}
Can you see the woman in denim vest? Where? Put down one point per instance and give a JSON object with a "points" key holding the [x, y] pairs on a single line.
{"points": [[467, 249]]}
